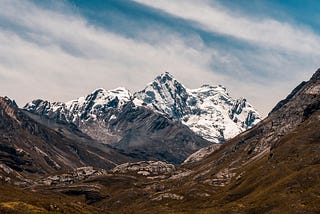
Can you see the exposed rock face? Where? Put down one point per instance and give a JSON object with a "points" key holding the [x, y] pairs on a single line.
{"points": [[145, 168], [171, 196]]}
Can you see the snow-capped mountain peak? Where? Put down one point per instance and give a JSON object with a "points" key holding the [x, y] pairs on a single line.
{"points": [[208, 110], [165, 94]]}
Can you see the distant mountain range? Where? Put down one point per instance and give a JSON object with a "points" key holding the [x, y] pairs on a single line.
{"points": [[152, 121]]}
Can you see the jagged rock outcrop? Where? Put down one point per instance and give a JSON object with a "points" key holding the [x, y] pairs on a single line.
{"points": [[146, 168]]}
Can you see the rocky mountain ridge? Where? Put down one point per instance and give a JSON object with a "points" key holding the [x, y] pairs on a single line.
{"points": [[209, 111]]}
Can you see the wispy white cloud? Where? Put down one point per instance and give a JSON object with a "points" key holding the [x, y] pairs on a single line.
{"points": [[266, 32], [58, 55]]}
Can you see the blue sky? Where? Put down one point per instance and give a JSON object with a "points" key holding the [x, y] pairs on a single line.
{"points": [[63, 49]]}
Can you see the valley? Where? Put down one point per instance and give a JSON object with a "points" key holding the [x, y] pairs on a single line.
{"points": [[270, 168]]}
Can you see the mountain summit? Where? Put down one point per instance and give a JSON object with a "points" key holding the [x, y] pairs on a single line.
{"points": [[166, 95]]}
